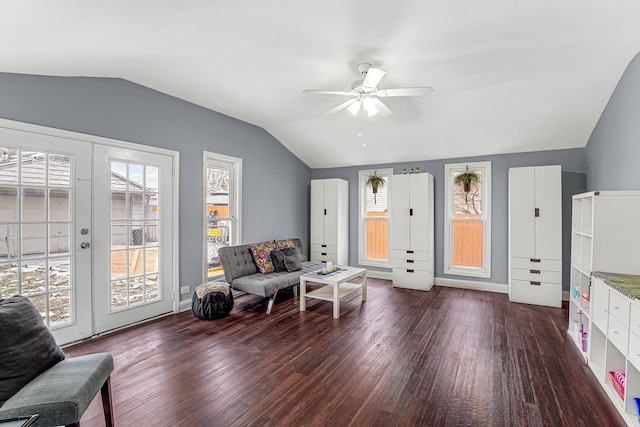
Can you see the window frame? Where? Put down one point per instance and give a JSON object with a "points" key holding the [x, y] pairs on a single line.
{"points": [[449, 268], [235, 204], [362, 209]]}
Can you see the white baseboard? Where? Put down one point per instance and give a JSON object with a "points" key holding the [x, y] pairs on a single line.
{"points": [[473, 285], [184, 305], [377, 274]]}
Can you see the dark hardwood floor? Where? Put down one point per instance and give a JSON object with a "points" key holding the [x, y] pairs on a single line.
{"points": [[447, 357]]}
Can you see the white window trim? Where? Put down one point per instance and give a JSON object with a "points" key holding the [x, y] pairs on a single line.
{"points": [[449, 268], [361, 222], [209, 157]]}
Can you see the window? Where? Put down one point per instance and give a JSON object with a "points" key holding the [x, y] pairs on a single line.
{"points": [[222, 184], [373, 236], [467, 235]]}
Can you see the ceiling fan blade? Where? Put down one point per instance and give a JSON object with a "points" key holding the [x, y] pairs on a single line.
{"points": [[373, 77], [405, 91], [340, 107], [382, 109], [326, 92]]}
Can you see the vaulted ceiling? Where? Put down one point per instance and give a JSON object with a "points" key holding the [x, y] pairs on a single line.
{"points": [[508, 76]]}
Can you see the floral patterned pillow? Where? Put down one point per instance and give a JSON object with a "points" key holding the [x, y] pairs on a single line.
{"points": [[281, 244], [262, 256]]}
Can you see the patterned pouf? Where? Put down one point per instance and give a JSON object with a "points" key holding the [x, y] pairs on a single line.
{"points": [[212, 301]]}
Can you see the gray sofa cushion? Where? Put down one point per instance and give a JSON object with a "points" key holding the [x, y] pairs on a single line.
{"points": [[278, 257], [27, 348], [268, 284]]}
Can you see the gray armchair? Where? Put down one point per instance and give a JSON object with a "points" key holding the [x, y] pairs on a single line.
{"points": [[35, 376]]}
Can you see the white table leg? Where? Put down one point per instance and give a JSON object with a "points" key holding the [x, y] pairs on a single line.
{"points": [[303, 294], [336, 300], [364, 286]]}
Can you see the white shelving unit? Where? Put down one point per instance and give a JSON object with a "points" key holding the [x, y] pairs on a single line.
{"points": [[604, 236], [614, 345], [604, 323]]}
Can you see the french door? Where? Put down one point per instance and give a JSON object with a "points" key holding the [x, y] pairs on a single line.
{"points": [[85, 230], [45, 214], [133, 203]]}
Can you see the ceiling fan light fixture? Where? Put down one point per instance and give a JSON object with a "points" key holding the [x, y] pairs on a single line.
{"points": [[354, 108], [370, 107]]}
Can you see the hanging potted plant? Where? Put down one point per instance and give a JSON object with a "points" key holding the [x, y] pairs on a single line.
{"points": [[465, 179], [375, 181]]}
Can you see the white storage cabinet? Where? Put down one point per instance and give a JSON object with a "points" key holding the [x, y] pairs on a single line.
{"points": [[535, 235], [412, 231], [330, 221]]}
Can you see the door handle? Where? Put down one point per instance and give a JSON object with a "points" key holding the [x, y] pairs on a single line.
{"points": [[537, 212], [85, 245], [535, 283]]}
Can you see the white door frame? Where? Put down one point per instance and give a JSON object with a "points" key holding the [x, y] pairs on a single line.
{"points": [[91, 139]]}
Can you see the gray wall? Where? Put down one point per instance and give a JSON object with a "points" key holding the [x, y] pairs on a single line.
{"points": [[613, 151], [573, 176], [273, 177]]}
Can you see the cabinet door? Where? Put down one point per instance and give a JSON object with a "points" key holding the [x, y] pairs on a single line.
{"points": [[400, 233], [317, 211], [548, 201], [331, 194], [419, 214], [521, 212]]}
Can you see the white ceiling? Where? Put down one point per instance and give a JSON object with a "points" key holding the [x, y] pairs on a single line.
{"points": [[508, 75]]}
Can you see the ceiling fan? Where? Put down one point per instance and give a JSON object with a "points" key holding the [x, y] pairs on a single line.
{"points": [[366, 94]]}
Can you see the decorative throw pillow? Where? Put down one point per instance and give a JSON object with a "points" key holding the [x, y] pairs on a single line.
{"points": [[27, 348], [281, 244], [292, 263], [262, 256], [277, 257]]}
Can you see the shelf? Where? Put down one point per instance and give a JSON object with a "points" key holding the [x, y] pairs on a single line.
{"points": [[575, 337], [326, 292]]}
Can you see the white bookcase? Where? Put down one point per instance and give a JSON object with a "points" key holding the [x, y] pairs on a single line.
{"points": [[614, 345], [330, 220], [604, 237]]}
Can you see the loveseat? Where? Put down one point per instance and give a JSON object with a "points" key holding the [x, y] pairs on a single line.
{"points": [[242, 272]]}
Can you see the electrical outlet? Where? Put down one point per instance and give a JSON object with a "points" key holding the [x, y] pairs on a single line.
{"points": [[185, 290]]}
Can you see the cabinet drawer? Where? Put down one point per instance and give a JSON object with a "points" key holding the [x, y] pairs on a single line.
{"points": [[408, 254], [634, 349], [634, 322], [619, 307], [317, 247], [411, 264], [416, 279], [324, 257], [618, 334], [548, 294], [537, 275], [543, 264]]}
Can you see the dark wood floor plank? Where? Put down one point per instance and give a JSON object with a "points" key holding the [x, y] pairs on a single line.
{"points": [[448, 357]]}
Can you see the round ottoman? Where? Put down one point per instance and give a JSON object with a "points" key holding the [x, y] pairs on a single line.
{"points": [[212, 301]]}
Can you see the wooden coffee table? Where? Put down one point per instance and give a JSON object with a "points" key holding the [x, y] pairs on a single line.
{"points": [[338, 284]]}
